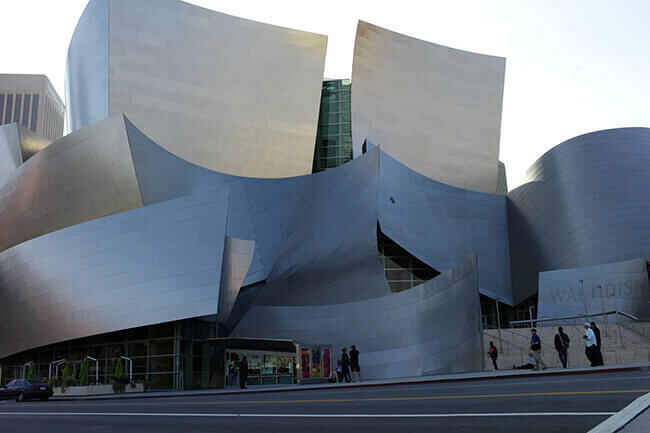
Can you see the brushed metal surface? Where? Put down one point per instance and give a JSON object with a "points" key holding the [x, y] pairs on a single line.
{"points": [[442, 224], [146, 266], [624, 288], [434, 108], [433, 328], [585, 202], [85, 175], [229, 94]]}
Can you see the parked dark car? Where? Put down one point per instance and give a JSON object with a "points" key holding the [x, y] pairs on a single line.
{"points": [[26, 389]]}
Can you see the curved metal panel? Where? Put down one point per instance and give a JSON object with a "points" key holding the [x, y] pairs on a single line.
{"points": [[433, 328], [441, 224], [621, 286], [229, 94], [10, 153], [433, 108], [151, 265], [86, 72], [85, 175], [585, 203]]}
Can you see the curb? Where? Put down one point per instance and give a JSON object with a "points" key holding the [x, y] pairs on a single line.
{"points": [[360, 385], [616, 422]]}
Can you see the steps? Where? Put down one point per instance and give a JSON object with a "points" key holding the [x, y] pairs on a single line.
{"points": [[513, 348]]}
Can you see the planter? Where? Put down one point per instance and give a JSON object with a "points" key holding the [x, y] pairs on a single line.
{"points": [[78, 391]]}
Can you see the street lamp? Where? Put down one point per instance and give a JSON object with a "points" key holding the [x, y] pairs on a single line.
{"points": [[618, 320], [584, 298], [24, 366], [130, 366], [56, 364], [96, 368]]}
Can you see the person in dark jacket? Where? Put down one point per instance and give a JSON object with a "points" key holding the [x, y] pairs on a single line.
{"points": [[562, 345], [598, 352], [345, 364], [243, 372], [492, 351], [354, 362]]}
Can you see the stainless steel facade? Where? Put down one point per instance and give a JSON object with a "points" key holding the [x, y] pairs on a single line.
{"points": [[229, 94], [17, 145], [585, 203], [85, 175], [434, 108], [433, 328], [442, 224], [621, 286], [150, 265]]}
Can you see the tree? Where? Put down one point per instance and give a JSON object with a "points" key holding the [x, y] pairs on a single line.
{"points": [[83, 375], [67, 371], [119, 369], [32, 371]]}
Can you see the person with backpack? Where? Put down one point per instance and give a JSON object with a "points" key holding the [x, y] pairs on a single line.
{"points": [[354, 362], [536, 347], [562, 345], [494, 354], [345, 363]]}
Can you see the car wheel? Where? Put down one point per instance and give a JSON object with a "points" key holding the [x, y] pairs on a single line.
{"points": [[20, 398]]}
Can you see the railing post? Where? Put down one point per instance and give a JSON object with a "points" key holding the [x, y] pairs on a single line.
{"points": [[499, 325]]}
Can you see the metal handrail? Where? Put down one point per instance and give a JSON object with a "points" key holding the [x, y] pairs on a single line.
{"points": [[555, 319]]}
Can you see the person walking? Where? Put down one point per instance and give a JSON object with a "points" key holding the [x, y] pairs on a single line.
{"points": [[345, 364], [590, 345], [494, 354], [598, 352], [243, 372], [562, 345], [536, 347], [232, 374], [354, 362]]}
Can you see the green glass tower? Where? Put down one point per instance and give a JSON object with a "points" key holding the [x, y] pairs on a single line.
{"points": [[334, 135]]}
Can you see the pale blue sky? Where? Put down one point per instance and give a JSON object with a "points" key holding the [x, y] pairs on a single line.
{"points": [[572, 66]]}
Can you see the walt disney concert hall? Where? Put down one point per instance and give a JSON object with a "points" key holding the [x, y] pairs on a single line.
{"points": [[216, 196]]}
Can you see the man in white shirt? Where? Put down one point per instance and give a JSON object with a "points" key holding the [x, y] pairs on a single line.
{"points": [[591, 348]]}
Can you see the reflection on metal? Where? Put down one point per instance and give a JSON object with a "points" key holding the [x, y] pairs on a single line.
{"points": [[440, 224], [621, 286], [434, 108], [151, 265], [17, 145], [430, 329], [585, 203], [85, 175], [502, 182], [226, 93], [237, 258]]}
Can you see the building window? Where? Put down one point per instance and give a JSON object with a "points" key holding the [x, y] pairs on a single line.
{"points": [[25, 117], [334, 136], [34, 117], [8, 110], [403, 270], [18, 106]]}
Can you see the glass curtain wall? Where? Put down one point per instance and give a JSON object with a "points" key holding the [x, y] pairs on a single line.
{"points": [[334, 134], [171, 355]]}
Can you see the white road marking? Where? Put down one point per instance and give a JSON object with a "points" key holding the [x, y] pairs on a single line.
{"points": [[308, 415]]}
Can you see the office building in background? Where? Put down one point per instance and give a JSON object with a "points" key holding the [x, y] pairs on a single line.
{"points": [[31, 101]]}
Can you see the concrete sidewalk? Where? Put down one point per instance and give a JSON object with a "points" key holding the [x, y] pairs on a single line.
{"points": [[484, 375]]}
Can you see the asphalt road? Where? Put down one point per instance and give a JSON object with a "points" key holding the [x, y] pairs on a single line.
{"points": [[574, 403]]}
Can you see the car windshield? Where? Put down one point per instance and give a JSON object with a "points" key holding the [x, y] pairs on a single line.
{"points": [[12, 383], [35, 381]]}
